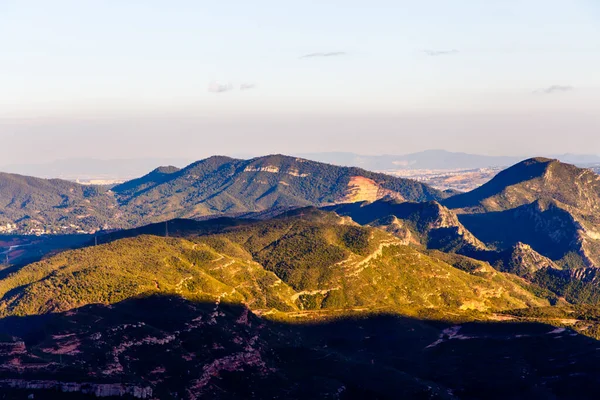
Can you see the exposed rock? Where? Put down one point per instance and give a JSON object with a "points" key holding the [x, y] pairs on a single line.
{"points": [[96, 389]]}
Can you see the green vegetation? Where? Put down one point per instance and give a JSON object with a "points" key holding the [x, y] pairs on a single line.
{"points": [[428, 224], [225, 185], [287, 264], [55, 206], [212, 186]]}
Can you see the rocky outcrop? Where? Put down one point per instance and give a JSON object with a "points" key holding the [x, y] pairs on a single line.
{"points": [[365, 189], [96, 389], [427, 224], [522, 260]]}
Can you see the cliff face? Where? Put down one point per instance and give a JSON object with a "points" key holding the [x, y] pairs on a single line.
{"points": [[365, 189], [427, 224], [523, 261]]}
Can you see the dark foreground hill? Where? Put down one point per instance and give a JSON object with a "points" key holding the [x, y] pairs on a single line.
{"points": [[170, 348]]}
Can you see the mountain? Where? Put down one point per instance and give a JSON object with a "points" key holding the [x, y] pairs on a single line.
{"points": [[226, 185], [313, 261], [217, 185], [308, 304], [87, 169], [428, 159], [523, 261], [428, 224], [530, 180], [436, 160], [552, 206], [55, 206]]}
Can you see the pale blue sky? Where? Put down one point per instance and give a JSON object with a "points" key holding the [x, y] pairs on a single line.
{"points": [[131, 78]]}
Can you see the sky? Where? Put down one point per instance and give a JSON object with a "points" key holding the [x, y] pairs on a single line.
{"points": [[149, 78]]}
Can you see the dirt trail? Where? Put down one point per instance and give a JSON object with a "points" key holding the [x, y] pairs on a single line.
{"points": [[364, 263]]}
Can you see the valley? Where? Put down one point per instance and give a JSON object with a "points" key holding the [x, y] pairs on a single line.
{"points": [[461, 180]]}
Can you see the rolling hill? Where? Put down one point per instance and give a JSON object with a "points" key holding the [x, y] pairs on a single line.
{"points": [[54, 205], [291, 263]]}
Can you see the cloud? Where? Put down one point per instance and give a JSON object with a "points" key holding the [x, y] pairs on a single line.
{"points": [[554, 89], [247, 86], [436, 53], [216, 87], [329, 54]]}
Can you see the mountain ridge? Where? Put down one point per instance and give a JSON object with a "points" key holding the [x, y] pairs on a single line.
{"points": [[232, 185], [216, 185], [550, 205]]}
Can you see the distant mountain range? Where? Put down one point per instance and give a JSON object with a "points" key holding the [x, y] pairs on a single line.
{"points": [[86, 169], [436, 160]]}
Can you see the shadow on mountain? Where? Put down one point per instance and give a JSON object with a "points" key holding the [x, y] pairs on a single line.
{"points": [[34, 248], [179, 227], [183, 227], [167, 347], [518, 173], [548, 229]]}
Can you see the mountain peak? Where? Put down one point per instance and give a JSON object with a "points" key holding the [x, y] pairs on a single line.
{"points": [[166, 169], [523, 183], [537, 160]]}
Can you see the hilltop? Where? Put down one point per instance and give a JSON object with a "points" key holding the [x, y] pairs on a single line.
{"points": [[226, 185], [531, 180], [552, 206]]}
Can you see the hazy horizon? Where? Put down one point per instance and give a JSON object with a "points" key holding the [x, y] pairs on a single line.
{"points": [[182, 161], [127, 80]]}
